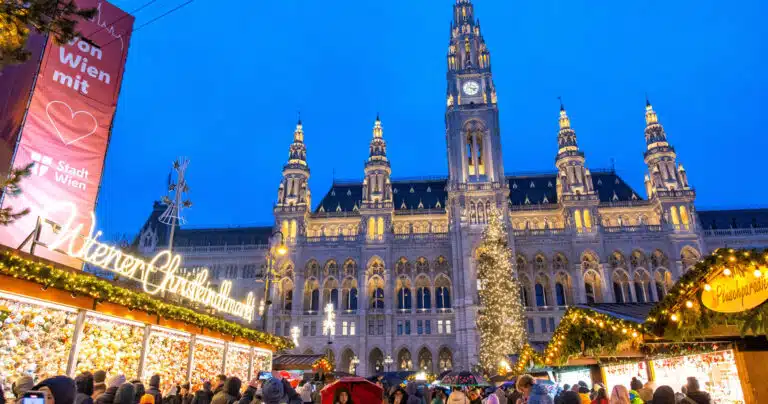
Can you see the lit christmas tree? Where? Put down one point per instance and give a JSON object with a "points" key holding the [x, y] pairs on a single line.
{"points": [[501, 319]]}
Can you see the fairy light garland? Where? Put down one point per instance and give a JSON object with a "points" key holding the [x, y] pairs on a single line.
{"points": [[103, 291]]}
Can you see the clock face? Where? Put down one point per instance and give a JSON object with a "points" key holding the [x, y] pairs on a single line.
{"points": [[471, 88]]}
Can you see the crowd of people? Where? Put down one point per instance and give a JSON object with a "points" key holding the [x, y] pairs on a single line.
{"points": [[96, 388]]}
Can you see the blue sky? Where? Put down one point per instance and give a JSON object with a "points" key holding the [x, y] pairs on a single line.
{"points": [[225, 93]]}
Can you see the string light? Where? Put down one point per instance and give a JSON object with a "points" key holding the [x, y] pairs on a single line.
{"points": [[689, 304], [727, 272]]}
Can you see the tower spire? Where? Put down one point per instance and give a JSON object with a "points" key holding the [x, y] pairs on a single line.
{"points": [[573, 177], [660, 157], [376, 184]]}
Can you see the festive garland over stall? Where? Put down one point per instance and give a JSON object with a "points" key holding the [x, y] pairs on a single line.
{"points": [[590, 333], [527, 354], [681, 316], [104, 291]]}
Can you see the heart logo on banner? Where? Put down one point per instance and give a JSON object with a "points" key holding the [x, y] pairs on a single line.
{"points": [[83, 123]]}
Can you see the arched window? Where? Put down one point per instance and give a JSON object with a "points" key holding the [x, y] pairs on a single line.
{"points": [[637, 259], [423, 295], [442, 293], [404, 299], [402, 267], [331, 293], [380, 226], [659, 260], [674, 215], [404, 361], [562, 289], [621, 291], [593, 287], [425, 360], [540, 296], [642, 286], [470, 155], [349, 294], [684, 216], [376, 288], [445, 359], [311, 295], [663, 280], [560, 262], [521, 263], [587, 219], [371, 227], [312, 270], [286, 295], [331, 269], [577, 220], [375, 361], [350, 268], [525, 294], [285, 228], [689, 256], [560, 294], [293, 230], [540, 263], [422, 265], [479, 155]]}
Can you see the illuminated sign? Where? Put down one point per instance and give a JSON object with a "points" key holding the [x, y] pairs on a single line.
{"points": [[735, 293], [156, 275]]}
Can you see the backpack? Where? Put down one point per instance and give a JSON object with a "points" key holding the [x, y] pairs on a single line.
{"points": [[272, 390]]}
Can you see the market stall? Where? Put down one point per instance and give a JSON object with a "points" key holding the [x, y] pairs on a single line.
{"points": [[59, 321], [717, 373]]}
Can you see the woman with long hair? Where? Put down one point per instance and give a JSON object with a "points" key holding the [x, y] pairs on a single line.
{"points": [[342, 396], [620, 395]]}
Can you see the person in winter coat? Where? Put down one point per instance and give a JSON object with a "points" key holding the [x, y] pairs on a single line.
{"points": [[342, 396], [695, 393], [220, 379], [570, 397], [663, 395], [204, 395], [114, 383], [173, 396], [584, 394], [84, 383], [154, 388], [22, 385], [138, 387], [620, 395], [414, 395], [61, 388], [398, 396], [458, 397], [125, 394], [99, 383], [646, 393], [186, 394], [533, 393], [601, 397], [249, 394], [229, 393], [635, 386], [305, 392]]}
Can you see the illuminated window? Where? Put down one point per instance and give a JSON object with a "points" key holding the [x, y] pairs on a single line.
{"points": [[470, 155], [684, 216], [447, 326], [351, 328], [343, 328], [380, 226], [439, 326], [293, 229], [371, 227], [587, 219], [577, 220], [284, 229]]}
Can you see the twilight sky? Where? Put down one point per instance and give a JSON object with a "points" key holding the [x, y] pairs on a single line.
{"points": [[226, 93]]}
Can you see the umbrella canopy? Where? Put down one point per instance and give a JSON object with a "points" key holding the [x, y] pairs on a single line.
{"points": [[463, 378], [360, 390]]}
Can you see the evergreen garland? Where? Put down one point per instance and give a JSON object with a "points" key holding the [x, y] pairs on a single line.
{"points": [[104, 291], [500, 319]]}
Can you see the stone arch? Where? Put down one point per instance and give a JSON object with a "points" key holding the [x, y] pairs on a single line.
{"points": [[404, 359], [331, 268], [589, 261], [526, 295], [441, 264], [425, 360], [659, 259], [443, 292], [560, 261], [402, 266], [422, 265], [345, 364], [642, 284], [312, 269], [375, 267], [540, 262], [662, 279], [285, 294], [375, 360], [350, 267], [521, 262], [311, 301], [638, 259], [331, 292], [445, 359], [349, 291], [403, 293], [689, 257], [375, 289], [542, 290], [563, 289], [616, 260]]}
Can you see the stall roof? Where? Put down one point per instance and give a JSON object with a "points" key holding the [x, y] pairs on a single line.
{"points": [[286, 362], [635, 312]]}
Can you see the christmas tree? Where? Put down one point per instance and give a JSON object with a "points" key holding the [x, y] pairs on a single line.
{"points": [[501, 319]]}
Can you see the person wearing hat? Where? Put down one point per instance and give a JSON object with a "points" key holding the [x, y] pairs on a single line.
{"points": [[230, 393], [84, 384], [59, 389], [22, 385], [186, 394], [154, 388], [99, 384], [113, 383], [125, 394], [147, 399], [204, 395]]}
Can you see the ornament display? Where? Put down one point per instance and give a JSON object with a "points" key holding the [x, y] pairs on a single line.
{"points": [[716, 372], [623, 374], [262, 361], [238, 359], [167, 356], [206, 362], [112, 346], [34, 340]]}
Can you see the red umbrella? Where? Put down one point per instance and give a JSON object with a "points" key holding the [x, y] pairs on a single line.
{"points": [[361, 390]]}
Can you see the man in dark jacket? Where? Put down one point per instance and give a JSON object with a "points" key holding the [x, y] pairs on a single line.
{"points": [[61, 388], [109, 395], [695, 393], [99, 383], [154, 388], [186, 395], [84, 383], [140, 390], [125, 394], [204, 395], [230, 393]]}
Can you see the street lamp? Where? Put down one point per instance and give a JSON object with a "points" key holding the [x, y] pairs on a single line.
{"points": [[295, 332], [274, 251], [354, 362], [388, 361], [329, 324]]}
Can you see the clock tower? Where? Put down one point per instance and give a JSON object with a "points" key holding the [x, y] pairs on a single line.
{"points": [[476, 182]]}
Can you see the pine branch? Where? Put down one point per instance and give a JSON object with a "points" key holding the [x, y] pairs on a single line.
{"points": [[10, 187]]}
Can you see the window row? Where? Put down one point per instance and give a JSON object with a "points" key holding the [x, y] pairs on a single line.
{"points": [[546, 325], [423, 327]]}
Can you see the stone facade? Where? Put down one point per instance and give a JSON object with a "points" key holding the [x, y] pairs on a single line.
{"points": [[395, 257]]}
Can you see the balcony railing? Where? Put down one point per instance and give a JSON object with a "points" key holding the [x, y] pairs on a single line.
{"points": [[633, 229], [750, 231]]}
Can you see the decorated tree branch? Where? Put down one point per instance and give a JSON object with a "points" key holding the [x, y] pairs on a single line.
{"points": [[501, 318], [10, 186]]}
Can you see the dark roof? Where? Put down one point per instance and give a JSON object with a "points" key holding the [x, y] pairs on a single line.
{"points": [[524, 189], [287, 362], [736, 219], [186, 237], [635, 312], [221, 236]]}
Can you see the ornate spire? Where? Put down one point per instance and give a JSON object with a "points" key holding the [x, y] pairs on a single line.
{"points": [[566, 137], [655, 136], [297, 152], [378, 148]]}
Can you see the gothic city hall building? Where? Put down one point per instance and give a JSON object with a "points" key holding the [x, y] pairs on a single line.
{"points": [[395, 258]]}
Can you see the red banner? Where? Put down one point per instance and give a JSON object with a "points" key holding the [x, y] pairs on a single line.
{"points": [[67, 128]]}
